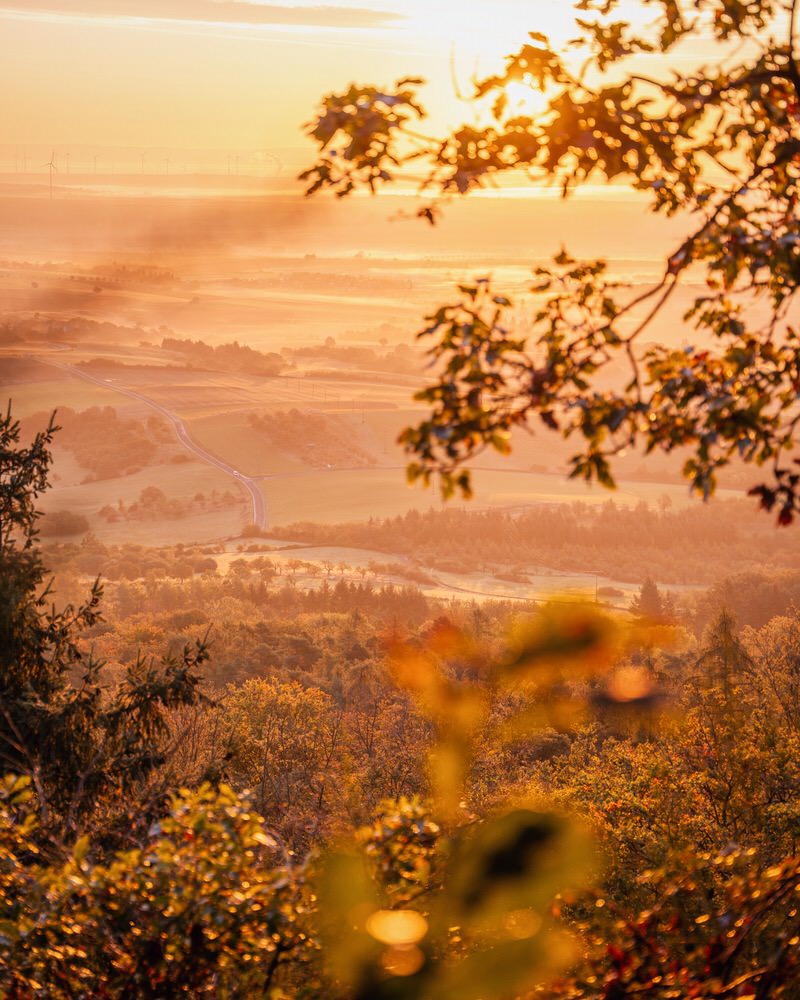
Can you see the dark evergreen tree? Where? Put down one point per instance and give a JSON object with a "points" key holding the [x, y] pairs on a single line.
{"points": [[83, 748], [649, 602], [723, 661]]}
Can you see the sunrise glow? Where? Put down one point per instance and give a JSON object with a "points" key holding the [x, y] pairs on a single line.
{"points": [[399, 499]]}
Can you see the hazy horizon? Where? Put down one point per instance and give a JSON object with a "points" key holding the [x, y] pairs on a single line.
{"points": [[151, 197]]}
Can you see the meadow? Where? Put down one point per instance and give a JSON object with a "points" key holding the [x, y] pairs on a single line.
{"points": [[229, 262]]}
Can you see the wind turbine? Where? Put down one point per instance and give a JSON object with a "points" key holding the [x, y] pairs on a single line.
{"points": [[52, 166], [167, 163], [67, 154], [25, 161], [141, 158], [95, 162]]}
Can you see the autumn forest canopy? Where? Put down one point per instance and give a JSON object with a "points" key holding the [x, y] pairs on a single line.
{"points": [[275, 719]]}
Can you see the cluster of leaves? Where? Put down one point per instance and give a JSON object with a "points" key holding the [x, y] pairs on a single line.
{"points": [[720, 145], [358, 133], [467, 912], [205, 906], [482, 929], [699, 939], [740, 404]]}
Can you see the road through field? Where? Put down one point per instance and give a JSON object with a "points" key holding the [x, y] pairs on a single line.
{"points": [[185, 438]]}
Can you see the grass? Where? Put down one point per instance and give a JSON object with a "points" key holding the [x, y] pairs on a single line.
{"points": [[328, 497], [181, 481], [331, 496], [45, 396], [230, 436]]}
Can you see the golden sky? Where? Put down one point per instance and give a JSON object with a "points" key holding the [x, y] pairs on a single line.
{"points": [[235, 74]]}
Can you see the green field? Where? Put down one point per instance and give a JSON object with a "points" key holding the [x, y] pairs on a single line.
{"points": [[181, 481], [230, 436], [337, 495], [45, 396]]}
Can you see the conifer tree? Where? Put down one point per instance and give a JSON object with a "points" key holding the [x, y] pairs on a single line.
{"points": [[82, 747], [648, 603], [723, 660]]}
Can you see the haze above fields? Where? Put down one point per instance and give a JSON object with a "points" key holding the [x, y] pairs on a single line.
{"points": [[224, 353], [123, 298]]}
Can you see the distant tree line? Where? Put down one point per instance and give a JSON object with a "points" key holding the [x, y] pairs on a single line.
{"points": [[232, 357], [107, 445], [693, 545]]}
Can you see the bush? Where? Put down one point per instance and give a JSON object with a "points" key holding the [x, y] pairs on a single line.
{"points": [[200, 909], [63, 522]]}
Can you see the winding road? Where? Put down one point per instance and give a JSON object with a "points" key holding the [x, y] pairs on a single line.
{"points": [[183, 435]]}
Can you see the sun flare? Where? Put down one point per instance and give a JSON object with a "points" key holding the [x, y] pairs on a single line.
{"points": [[523, 99], [487, 36]]}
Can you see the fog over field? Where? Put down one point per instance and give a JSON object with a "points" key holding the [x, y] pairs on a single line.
{"points": [[226, 355], [120, 294]]}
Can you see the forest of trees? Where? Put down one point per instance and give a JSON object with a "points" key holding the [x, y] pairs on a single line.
{"points": [[226, 785], [107, 445], [696, 544], [233, 357], [319, 440]]}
